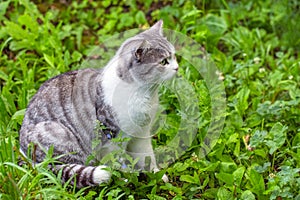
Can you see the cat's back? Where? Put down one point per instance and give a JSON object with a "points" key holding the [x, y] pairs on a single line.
{"points": [[58, 97], [62, 113]]}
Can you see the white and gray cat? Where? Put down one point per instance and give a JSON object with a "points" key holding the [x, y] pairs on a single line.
{"points": [[122, 96]]}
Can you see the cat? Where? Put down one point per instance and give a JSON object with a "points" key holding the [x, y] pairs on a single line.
{"points": [[122, 96]]}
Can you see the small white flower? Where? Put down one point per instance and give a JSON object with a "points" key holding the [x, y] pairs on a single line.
{"points": [[220, 75], [261, 70], [272, 175], [291, 77], [256, 60], [244, 54]]}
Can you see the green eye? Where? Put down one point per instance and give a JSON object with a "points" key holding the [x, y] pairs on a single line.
{"points": [[164, 62]]}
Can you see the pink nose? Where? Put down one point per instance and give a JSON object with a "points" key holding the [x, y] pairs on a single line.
{"points": [[176, 68]]}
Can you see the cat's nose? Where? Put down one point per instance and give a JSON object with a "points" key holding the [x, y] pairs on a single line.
{"points": [[176, 68]]}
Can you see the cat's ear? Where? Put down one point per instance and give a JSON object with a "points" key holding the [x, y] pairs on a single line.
{"points": [[141, 49], [158, 27]]}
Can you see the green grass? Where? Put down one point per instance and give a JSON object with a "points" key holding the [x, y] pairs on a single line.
{"points": [[255, 45]]}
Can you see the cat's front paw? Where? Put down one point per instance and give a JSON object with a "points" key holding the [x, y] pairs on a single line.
{"points": [[165, 178]]}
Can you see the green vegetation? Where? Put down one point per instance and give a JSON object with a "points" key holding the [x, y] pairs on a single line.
{"points": [[255, 44]]}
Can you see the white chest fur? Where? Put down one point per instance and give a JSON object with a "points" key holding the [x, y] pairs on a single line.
{"points": [[135, 105]]}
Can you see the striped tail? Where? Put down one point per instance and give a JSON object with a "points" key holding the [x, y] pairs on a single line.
{"points": [[83, 176]]}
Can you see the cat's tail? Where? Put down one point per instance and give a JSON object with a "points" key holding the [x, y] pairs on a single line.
{"points": [[83, 176], [80, 175]]}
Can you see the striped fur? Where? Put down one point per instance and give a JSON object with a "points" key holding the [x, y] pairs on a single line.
{"points": [[84, 175], [66, 109]]}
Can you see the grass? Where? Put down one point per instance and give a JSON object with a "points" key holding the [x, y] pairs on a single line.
{"points": [[254, 44]]}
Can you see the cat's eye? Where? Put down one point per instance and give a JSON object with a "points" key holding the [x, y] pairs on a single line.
{"points": [[164, 62]]}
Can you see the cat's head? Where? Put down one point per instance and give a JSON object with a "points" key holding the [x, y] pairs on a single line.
{"points": [[147, 57]]}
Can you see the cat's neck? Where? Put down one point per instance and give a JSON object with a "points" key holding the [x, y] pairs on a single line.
{"points": [[130, 101], [116, 89]]}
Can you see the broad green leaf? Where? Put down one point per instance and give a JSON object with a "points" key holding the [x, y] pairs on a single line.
{"points": [[211, 167], [294, 93], [3, 7], [224, 194], [276, 137], [180, 166], [236, 119], [275, 78], [49, 60], [257, 182], [22, 44], [254, 120], [242, 97], [110, 25], [226, 178], [228, 167], [170, 187], [238, 175], [76, 56], [287, 85], [191, 179], [262, 169], [260, 152], [247, 195], [140, 17], [16, 31], [233, 138], [257, 138], [216, 25], [210, 193], [30, 23], [106, 3]]}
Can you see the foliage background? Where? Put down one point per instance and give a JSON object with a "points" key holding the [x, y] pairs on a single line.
{"points": [[255, 45]]}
